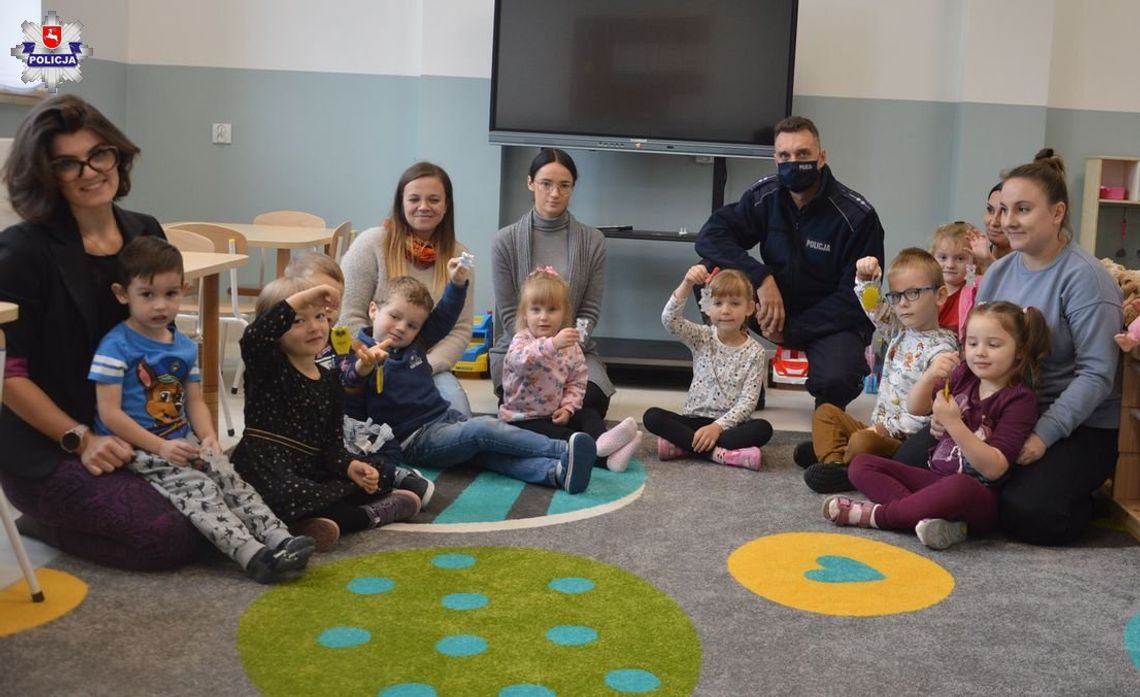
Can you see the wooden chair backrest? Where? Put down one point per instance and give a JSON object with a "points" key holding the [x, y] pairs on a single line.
{"points": [[188, 241]]}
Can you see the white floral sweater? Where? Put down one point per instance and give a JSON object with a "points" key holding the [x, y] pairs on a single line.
{"points": [[726, 379]]}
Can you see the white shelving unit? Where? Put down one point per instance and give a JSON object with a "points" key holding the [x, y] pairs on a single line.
{"points": [[1114, 172]]}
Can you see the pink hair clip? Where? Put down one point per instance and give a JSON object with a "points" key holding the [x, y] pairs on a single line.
{"points": [[546, 269]]}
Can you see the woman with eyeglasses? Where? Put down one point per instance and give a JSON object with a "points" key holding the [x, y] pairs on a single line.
{"points": [[547, 235], [417, 239], [1073, 448], [67, 167]]}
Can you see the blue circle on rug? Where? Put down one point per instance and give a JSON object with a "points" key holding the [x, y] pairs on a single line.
{"points": [[572, 585], [370, 585], [527, 690], [482, 501], [571, 635], [461, 645], [1132, 640], [465, 601], [632, 680], [408, 689], [453, 561], [343, 637]]}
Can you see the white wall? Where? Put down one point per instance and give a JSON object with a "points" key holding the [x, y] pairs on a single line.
{"points": [[377, 37], [1096, 56]]}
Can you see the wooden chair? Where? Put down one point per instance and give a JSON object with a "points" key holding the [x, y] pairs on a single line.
{"points": [[287, 218], [233, 310], [342, 237], [191, 308], [6, 516]]}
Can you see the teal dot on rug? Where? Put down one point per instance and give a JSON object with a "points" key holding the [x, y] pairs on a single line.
{"points": [[343, 637], [408, 689], [837, 569], [571, 635], [460, 645], [632, 680], [371, 585], [464, 601], [526, 691], [571, 585], [1132, 640], [453, 561]]}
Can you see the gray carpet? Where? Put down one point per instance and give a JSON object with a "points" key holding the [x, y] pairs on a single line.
{"points": [[1021, 620]]}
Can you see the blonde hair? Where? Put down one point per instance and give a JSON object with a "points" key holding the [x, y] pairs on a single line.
{"points": [[277, 290], [731, 283], [544, 287], [921, 260], [308, 264], [956, 233]]}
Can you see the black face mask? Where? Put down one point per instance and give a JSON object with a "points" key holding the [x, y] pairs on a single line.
{"points": [[798, 176]]}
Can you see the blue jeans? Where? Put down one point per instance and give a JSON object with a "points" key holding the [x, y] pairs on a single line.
{"points": [[490, 444], [450, 389]]}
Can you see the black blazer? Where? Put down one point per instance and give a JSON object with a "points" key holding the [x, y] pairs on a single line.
{"points": [[44, 269]]}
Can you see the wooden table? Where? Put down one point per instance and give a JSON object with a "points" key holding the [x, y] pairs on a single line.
{"points": [[283, 238], [207, 266]]}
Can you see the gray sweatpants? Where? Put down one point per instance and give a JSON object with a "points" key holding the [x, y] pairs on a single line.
{"points": [[224, 508]]}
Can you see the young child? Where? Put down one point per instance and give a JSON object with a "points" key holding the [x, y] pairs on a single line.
{"points": [[373, 443], [544, 374], [149, 393], [952, 249], [292, 450], [916, 293], [403, 395], [728, 371], [987, 410]]}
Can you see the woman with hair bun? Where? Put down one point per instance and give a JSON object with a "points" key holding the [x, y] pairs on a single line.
{"points": [[1073, 447]]}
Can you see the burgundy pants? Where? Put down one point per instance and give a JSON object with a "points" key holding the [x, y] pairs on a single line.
{"points": [[909, 494], [115, 519]]}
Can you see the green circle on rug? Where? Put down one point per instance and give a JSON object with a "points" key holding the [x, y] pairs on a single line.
{"points": [[468, 499], [469, 621]]}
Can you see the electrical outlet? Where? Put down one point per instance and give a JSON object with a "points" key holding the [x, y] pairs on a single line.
{"points": [[221, 133]]}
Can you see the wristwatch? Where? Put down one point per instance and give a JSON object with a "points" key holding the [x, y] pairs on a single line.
{"points": [[72, 439]]}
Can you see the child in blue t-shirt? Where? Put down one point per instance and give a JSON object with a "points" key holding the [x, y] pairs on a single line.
{"points": [[149, 394], [400, 392]]}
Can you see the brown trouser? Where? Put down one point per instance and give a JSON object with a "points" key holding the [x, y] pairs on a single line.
{"points": [[837, 437]]}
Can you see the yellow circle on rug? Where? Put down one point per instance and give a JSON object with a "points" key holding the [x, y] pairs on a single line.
{"points": [[62, 594], [839, 574]]}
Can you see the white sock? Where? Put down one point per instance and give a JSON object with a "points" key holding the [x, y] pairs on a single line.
{"points": [[617, 437], [618, 460]]}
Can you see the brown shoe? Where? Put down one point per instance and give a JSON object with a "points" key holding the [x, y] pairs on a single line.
{"points": [[324, 531]]}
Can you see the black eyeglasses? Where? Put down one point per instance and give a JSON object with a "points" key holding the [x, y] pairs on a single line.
{"points": [[910, 294], [101, 159]]}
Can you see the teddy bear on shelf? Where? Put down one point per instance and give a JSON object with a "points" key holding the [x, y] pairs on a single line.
{"points": [[1129, 282]]}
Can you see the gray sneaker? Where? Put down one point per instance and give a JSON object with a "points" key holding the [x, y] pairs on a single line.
{"points": [[414, 481], [937, 533], [399, 505]]}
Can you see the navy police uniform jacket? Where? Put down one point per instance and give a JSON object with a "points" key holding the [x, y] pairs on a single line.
{"points": [[811, 252]]}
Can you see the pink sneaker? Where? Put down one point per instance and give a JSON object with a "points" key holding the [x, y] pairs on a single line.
{"points": [[668, 451], [748, 458]]}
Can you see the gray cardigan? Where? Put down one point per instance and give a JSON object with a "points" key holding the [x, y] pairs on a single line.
{"points": [[586, 272]]}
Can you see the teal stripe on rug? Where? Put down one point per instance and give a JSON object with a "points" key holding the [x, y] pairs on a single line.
{"points": [[489, 497], [605, 486]]}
